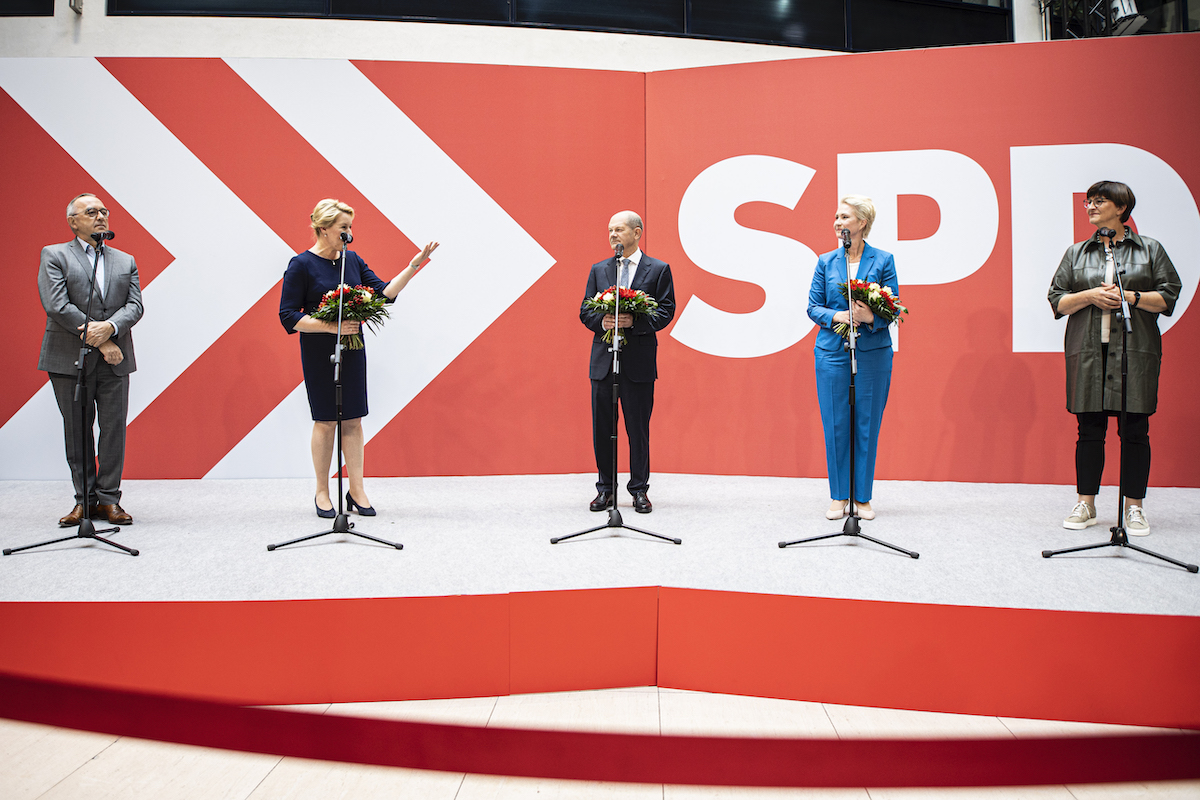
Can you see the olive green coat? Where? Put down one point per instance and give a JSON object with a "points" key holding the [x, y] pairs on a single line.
{"points": [[1091, 386]]}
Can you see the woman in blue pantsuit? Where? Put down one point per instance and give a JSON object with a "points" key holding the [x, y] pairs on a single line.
{"points": [[827, 307]]}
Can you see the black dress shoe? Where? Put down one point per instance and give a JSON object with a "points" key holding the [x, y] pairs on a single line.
{"points": [[602, 502], [641, 503]]}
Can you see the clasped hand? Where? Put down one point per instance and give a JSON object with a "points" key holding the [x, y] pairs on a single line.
{"points": [[98, 332], [1106, 296], [349, 327], [862, 314], [623, 321], [112, 354]]}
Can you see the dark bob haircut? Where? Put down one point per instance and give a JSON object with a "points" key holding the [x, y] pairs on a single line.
{"points": [[1119, 193]]}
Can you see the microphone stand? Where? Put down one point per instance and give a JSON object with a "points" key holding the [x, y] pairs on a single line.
{"points": [[341, 523], [851, 527], [614, 516], [1119, 536], [86, 529]]}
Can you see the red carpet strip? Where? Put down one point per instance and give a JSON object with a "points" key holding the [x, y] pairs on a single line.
{"points": [[718, 761]]}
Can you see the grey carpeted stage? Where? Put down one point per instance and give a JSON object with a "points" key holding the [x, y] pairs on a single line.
{"points": [[979, 544]]}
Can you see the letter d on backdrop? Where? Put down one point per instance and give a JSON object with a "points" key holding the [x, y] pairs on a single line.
{"points": [[1044, 182]]}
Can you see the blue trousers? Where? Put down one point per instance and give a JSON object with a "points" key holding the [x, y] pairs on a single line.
{"points": [[871, 386]]}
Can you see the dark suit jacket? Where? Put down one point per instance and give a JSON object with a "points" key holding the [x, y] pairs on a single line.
{"points": [[639, 353], [825, 298], [64, 275]]}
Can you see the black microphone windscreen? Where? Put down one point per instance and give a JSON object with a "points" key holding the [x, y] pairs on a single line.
{"points": [[1108, 232], [620, 250], [347, 237], [100, 236]]}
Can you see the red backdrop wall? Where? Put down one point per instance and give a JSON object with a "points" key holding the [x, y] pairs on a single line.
{"points": [[560, 151]]}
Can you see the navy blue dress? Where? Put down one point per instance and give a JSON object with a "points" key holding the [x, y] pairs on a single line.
{"points": [[307, 278]]}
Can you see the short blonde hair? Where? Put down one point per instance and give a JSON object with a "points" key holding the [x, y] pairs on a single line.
{"points": [[864, 209], [327, 212]]}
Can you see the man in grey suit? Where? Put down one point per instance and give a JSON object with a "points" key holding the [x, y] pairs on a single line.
{"points": [[64, 279]]}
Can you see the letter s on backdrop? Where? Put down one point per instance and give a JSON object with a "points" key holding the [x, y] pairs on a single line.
{"points": [[781, 266]]}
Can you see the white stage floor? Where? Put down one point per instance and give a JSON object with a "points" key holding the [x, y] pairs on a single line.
{"points": [[979, 544]]}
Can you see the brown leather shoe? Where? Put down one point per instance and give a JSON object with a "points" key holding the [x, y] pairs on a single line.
{"points": [[114, 514], [73, 519]]}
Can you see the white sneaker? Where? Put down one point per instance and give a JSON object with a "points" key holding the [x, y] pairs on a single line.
{"points": [[1082, 516], [1135, 522]]}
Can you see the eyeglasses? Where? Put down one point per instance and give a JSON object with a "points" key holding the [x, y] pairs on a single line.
{"points": [[1095, 201], [93, 212]]}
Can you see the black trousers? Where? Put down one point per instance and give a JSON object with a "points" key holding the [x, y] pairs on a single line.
{"points": [[637, 402], [1135, 459]]}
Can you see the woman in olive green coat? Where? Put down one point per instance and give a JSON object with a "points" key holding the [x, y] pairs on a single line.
{"points": [[1084, 288]]}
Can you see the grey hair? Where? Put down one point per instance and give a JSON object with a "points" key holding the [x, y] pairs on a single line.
{"points": [[633, 220], [74, 200]]}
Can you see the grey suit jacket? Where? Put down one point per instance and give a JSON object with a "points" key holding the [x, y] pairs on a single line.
{"points": [[64, 276]]}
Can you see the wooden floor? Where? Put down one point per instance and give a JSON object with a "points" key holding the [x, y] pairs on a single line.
{"points": [[56, 764]]}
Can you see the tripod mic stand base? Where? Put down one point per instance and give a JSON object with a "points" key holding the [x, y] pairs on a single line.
{"points": [[1121, 539], [851, 528], [615, 521], [341, 524], [86, 531]]}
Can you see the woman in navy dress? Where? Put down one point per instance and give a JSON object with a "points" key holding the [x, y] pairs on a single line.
{"points": [[828, 308], [308, 277]]}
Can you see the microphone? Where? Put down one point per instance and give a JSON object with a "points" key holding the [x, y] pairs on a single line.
{"points": [[1107, 233], [347, 237], [100, 236], [620, 250], [845, 238]]}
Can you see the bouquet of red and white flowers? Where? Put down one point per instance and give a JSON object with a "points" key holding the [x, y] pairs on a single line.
{"points": [[878, 298], [358, 304], [633, 301]]}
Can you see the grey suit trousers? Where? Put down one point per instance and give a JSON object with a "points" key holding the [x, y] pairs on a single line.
{"points": [[110, 393]]}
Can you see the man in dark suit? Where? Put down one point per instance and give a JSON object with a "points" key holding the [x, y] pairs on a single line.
{"points": [[64, 279], [639, 359]]}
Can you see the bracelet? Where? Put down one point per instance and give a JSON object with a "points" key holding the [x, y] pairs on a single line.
{"points": [[1137, 298]]}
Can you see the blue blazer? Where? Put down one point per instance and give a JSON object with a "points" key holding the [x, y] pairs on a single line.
{"points": [[825, 298]]}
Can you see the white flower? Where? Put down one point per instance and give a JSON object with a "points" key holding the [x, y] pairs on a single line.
{"points": [[887, 290], [608, 297]]}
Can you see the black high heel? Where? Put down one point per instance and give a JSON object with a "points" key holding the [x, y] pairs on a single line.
{"points": [[369, 511], [324, 513]]}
